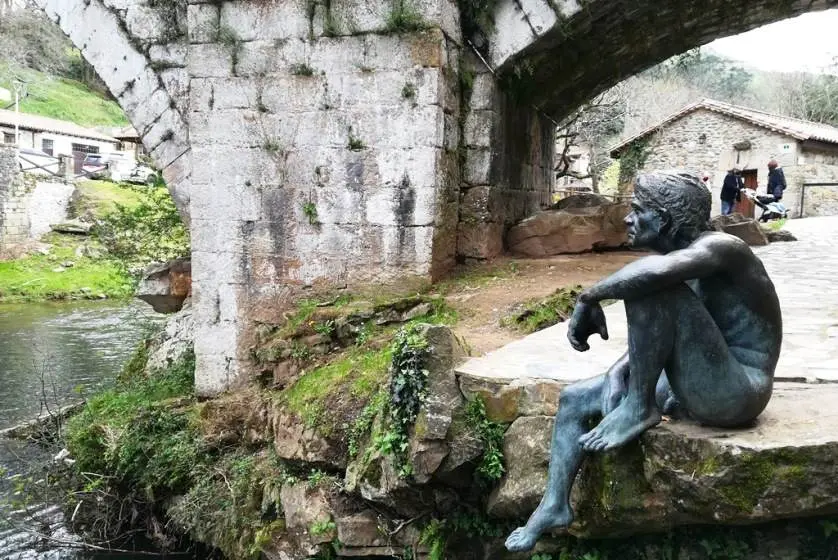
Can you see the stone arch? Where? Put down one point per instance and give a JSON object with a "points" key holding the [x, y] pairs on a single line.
{"points": [[139, 51], [548, 57]]}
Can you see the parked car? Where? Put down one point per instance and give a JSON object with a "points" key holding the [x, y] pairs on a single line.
{"points": [[115, 166], [142, 174], [38, 162]]}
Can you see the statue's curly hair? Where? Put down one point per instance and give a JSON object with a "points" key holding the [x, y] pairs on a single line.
{"points": [[682, 195]]}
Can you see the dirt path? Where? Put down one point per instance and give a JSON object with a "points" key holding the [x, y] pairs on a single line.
{"points": [[484, 294]]}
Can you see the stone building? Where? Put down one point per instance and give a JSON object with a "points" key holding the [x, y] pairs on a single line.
{"points": [[711, 137]]}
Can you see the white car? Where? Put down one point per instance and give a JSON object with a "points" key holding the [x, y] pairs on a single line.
{"points": [[115, 166]]}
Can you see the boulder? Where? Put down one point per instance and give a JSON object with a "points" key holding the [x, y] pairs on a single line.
{"points": [[166, 286], [574, 229], [774, 236], [746, 229], [294, 441], [681, 473], [305, 508], [582, 200], [526, 454], [72, 226], [173, 341]]}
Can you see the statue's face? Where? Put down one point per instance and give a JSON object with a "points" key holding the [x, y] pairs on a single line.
{"points": [[644, 225]]}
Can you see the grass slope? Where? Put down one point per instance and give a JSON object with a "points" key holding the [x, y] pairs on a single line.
{"points": [[40, 277], [98, 198], [61, 98]]}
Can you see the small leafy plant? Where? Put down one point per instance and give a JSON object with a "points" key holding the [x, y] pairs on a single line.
{"points": [[310, 212]]}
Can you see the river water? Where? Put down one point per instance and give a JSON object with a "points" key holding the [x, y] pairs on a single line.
{"points": [[52, 354]]}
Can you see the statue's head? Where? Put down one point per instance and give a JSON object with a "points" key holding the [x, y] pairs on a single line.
{"points": [[668, 211]]}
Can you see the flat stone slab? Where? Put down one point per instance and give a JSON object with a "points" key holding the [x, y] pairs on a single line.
{"points": [[681, 473], [803, 272]]}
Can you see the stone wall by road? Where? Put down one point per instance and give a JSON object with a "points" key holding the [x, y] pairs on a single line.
{"points": [[14, 221], [820, 165], [29, 203], [47, 203]]}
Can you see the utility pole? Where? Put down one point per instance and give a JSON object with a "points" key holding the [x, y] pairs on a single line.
{"points": [[20, 88]]}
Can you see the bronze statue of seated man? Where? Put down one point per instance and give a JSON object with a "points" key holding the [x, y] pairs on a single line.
{"points": [[704, 334]]}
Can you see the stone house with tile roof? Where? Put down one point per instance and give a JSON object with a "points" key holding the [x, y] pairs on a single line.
{"points": [[710, 137]]}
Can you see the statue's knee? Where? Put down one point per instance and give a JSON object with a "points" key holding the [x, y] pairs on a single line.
{"points": [[571, 397]]}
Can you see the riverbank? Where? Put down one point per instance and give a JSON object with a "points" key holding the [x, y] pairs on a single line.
{"points": [[131, 227]]}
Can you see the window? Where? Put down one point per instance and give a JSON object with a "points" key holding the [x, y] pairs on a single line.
{"points": [[47, 146], [85, 149], [8, 138]]}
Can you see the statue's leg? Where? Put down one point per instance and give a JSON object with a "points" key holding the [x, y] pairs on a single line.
{"points": [[578, 403], [673, 330]]}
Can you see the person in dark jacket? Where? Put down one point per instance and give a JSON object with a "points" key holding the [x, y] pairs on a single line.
{"points": [[776, 180], [731, 190]]}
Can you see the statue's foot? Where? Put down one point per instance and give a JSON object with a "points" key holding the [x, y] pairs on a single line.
{"points": [[624, 424], [543, 519]]}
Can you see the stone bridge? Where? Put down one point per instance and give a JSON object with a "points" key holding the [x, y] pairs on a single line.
{"points": [[335, 142]]}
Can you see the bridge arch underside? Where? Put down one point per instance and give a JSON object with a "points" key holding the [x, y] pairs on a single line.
{"points": [[550, 56]]}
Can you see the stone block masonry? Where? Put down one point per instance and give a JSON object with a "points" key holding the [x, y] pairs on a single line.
{"points": [[29, 204], [14, 220], [328, 157]]}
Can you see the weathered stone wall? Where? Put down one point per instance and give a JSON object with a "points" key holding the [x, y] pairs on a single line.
{"points": [[328, 150], [702, 141], [508, 164], [14, 221], [820, 165], [47, 203], [29, 203]]}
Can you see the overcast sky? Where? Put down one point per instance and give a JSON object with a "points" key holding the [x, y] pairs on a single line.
{"points": [[808, 42]]}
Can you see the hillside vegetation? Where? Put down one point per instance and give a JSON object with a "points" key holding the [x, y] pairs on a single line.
{"points": [[58, 83]]}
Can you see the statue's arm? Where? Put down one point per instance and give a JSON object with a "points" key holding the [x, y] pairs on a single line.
{"points": [[654, 273]]}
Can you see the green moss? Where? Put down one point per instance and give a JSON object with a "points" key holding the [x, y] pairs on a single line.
{"points": [[540, 313], [360, 374], [754, 473]]}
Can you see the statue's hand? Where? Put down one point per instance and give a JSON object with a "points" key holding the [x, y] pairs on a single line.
{"points": [[587, 319]]}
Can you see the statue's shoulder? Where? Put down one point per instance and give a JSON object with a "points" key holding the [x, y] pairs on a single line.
{"points": [[720, 241]]}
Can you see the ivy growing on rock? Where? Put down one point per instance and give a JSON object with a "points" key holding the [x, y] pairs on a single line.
{"points": [[491, 436], [407, 392]]}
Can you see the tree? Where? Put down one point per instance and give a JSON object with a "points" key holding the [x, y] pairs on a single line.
{"points": [[593, 126]]}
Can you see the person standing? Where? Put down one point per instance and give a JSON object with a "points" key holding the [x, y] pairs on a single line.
{"points": [[731, 190], [776, 180]]}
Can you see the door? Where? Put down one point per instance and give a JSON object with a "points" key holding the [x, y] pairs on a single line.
{"points": [[746, 205]]}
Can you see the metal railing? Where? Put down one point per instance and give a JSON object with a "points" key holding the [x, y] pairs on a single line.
{"points": [[803, 194]]}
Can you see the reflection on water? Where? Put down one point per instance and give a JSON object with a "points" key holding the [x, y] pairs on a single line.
{"points": [[50, 354]]}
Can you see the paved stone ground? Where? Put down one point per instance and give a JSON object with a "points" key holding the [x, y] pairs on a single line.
{"points": [[804, 273]]}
